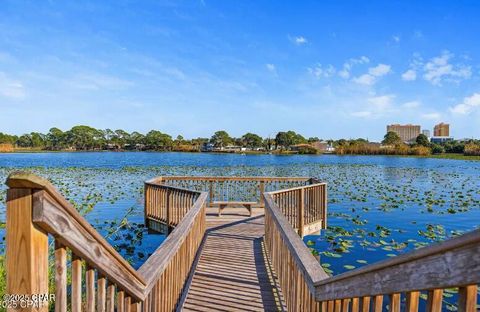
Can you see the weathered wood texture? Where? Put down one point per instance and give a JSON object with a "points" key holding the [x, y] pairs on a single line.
{"points": [[26, 248], [232, 273]]}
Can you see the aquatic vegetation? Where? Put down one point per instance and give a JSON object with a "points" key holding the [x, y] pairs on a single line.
{"points": [[375, 211]]}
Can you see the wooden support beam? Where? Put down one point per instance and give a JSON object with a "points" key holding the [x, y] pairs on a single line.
{"points": [[26, 249]]}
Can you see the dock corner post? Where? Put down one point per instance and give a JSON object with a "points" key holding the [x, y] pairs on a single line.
{"points": [[325, 203], [26, 248], [146, 203], [301, 212]]}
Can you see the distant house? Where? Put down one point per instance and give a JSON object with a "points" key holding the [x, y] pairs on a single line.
{"points": [[323, 147], [207, 147]]}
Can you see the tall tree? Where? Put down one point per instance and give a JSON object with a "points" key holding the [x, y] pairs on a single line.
{"points": [[251, 140], [422, 140], [55, 139], [221, 139], [391, 138], [158, 140]]}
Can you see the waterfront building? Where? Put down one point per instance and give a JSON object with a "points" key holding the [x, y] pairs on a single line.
{"points": [[408, 133], [441, 130], [440, 139]]}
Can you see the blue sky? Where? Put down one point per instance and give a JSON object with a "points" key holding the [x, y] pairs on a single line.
{"points": [[330, 69]]}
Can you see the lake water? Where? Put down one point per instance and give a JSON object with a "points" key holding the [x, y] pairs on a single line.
{"points": [[379, 207]]}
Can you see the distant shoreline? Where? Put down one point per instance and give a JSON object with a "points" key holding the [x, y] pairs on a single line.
{"points": [[452, 156]]}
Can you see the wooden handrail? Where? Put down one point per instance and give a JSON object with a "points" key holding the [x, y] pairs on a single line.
{"points": [[157, 262], [35, 209], [229, 178], [308, 265], [451, 263], [298, 188], [55, 214]]}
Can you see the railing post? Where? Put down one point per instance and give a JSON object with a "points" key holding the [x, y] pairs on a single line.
{"points": [[27, 249], [169, 210], [262, 190], [210, 194], [146, 193], [301, 212]]}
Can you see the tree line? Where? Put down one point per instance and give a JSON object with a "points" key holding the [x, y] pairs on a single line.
{"points": [[86, 138]]}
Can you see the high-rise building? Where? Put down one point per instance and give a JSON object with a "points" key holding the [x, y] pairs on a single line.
{"points": [[441, 130], [408, 133], [426, 133]]}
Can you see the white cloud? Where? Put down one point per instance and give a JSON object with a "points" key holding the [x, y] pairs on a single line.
{"points": [[409, 75], [361, 114], [468, 105], [379, 70], [10, 88], [439, 69], [376, 106], [396, 38], [347, 66], [432, 116], [411, 104], [365, 79], [298, 40], [373, 73], [271, 68], [319, 71], [381, 103]]}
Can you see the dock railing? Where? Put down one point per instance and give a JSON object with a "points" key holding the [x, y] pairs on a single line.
{"points": [[233, 188], [454, 263], [36, 211]]}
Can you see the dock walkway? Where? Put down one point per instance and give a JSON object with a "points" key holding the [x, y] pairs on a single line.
{"points": [[232, 272]]}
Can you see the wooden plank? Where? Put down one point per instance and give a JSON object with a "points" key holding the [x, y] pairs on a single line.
{"points": [[447, 264], [110, 297], [365, 304], [120, 301], [101, 293], [26, 248], [467, 298], [90, 288], [60, 277], [394, 305], [76, 284], [378, 303], [355, 305], [434, 301], [232, 273], [412, 301]]}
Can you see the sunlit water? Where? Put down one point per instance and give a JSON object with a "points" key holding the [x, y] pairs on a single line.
{"points": [[379, 207]]}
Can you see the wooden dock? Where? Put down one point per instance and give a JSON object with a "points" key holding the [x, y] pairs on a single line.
{"points": [[236, 262], [232, 272]]}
